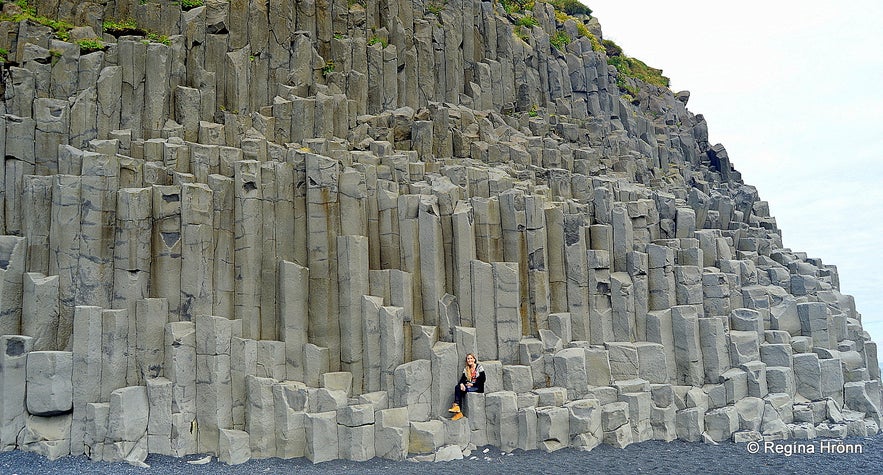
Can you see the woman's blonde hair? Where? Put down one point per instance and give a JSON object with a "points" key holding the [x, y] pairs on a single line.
{"points": [[473, 357]]}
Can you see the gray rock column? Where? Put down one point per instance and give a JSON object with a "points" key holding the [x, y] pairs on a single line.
{"points": [[507, 314], [388, 228], [323, 214], [248, 240], [114, 351], [483, 309], [432, 261], [290, 419], [475, 411], [224, 269], [502, 420], [716, 293], [832, 379], [661, 277], [148, 338], [624, 360], [808, 375], [371, 345], [555, 247], [214, 397], [352, 258], [600, 305], [392, 433], [392, 343], [13, 377], [652, 364], [390, 77], [322, 441], [527, 428], [293, 307], [19, 161], [488, 224], [132, 252], [585, 423], [86, 343], [49, 383], [859, 396], [659, 330], [40, 310], [12, 250], [95, 430], [186, 113], [688, 285], [422, 339], [409, 207], [234, 447], [84, 117], [180, 366], [570, 371], [713, 345], [622, 300], [109, 97], [720, 424], [445, 363], [576, 274], [64, 247], [37, 209], [132, 53], [260, 417], [167, 246], [816, 321], [204, 161], [197, 251], [271, 186], [243, 363], [688, 353], [99, 184], [236, 76], [412, 389], [355, 432], [553, 428], [127, 421], [623, 236], [159, 423]]}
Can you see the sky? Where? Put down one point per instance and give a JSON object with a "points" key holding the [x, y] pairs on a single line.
{"points": [[794, 91]]}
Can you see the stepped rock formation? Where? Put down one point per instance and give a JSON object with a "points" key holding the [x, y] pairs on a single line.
{"points": [[277, 233]]}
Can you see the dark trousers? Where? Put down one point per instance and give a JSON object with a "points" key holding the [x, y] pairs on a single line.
{"points": [[459, 394]]}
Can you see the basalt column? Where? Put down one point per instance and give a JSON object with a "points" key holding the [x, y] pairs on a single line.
{"points": [[323, 214], [197, 259], [64, 248], [132, 257], [247, 243], [166, 266]]}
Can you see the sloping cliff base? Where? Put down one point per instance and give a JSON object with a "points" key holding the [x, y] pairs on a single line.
{"points": [[275, 229]]}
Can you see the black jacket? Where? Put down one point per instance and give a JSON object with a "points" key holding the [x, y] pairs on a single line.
{"points": [[479, 380]]}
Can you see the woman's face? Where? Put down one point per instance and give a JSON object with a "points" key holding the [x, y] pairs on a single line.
{"points": [[470, 360]]}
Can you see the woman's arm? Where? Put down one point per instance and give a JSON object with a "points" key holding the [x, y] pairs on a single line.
{"points": [[479, 382]]}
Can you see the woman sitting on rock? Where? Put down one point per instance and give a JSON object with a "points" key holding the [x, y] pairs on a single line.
{"points": [[471, 381]]}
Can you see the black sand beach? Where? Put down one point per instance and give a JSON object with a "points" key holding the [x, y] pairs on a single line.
{"points": [[813, 456]]}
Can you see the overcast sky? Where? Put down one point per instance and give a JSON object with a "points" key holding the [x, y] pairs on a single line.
{"points": [[794, 91]]}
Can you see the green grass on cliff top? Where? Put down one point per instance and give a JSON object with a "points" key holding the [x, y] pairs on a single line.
{"points": [[633, 67], [28, 12], [565, 10]]}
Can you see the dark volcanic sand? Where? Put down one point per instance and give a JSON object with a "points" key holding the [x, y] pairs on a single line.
{"points": [[647, 457]]}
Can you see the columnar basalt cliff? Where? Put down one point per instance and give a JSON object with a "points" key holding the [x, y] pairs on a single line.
{"points": [[274, 228]]}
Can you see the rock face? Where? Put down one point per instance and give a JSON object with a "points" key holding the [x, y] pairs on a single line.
{"points": [[278, 233]]}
